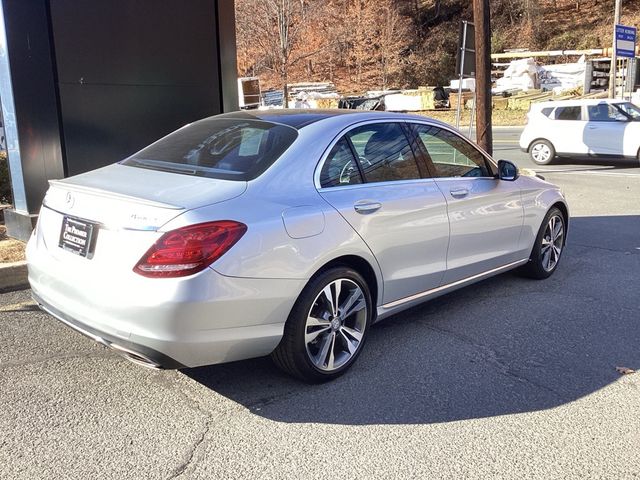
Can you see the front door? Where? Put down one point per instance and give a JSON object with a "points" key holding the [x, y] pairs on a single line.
{"points": [[605, 130], [485, 214]]}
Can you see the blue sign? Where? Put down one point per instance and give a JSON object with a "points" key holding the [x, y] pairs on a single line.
{"points": [[625, 41]]}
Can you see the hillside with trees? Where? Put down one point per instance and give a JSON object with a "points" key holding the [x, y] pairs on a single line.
{"points": [[362, 44]]}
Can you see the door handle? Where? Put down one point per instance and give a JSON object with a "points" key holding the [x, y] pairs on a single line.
{"points": [[367, 207], [462, 192], [592, 127]]}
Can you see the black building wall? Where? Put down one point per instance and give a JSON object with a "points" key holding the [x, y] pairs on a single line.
{"points": [[94, 81]]}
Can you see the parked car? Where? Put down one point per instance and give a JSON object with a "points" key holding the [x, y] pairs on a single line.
{"points": [[581, 128], [283, 232]]}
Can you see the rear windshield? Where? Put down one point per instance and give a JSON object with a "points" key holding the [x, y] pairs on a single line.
{"points": [[224, 148]]}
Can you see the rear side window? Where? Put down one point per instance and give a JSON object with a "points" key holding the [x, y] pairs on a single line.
{"points": [[547, 111], [228, 149], [340, 167], [569, 113], [384, 153]]}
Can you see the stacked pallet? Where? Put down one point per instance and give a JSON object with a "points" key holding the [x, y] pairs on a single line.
{"points": [[524, 100], [326, 103], [321, 88]]}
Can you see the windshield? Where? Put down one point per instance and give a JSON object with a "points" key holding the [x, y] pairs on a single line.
{"points": [[224, 148], [630, 109]]}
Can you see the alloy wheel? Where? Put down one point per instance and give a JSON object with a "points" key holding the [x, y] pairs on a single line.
{"points": [[541, 153], [552, 243], [335, 324]]}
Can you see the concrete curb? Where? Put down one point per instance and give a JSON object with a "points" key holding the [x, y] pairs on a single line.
{"points": [[13, 276]]}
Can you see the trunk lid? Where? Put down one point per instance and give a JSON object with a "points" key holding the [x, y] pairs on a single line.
{"points": [[123, 197], [103, 221]]}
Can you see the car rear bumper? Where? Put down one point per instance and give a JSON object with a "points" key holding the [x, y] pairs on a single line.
{"points": [[136, 353], [203, 319]]}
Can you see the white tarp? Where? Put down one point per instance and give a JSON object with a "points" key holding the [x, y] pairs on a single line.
{"points": [[561, 77], [309, 99], [520, 74], [398, 102], [467, 83], [526, 75]]}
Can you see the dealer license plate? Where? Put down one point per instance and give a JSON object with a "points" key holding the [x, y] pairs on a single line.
{"points": [[76, 236]]}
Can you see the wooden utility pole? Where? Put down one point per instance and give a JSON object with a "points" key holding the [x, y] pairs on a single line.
{"points": [[614, 58], [481, 20]]}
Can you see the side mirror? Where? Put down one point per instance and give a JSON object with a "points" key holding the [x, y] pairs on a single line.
{"points": [[507, 171]]}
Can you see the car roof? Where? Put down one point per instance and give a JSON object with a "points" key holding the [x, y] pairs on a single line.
{"points": [[574, 103], [300, 118]]}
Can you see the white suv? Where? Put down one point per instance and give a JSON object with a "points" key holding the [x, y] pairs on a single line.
{"points": [[581, 128]]}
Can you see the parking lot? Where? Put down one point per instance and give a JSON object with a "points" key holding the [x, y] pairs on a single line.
{"points": [[509, 378]]}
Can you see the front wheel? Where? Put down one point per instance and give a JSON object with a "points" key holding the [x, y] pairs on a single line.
{"points": [[327, 327], [542, 152], [548, 246]]}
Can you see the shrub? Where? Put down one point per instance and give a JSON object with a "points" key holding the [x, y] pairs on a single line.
{"points": [[5, 181]]}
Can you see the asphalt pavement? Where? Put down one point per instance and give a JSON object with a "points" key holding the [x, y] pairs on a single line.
{"points": [[509, 378]]}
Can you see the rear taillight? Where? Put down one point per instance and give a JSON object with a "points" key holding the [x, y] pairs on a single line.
{"points": [[188, 250]]}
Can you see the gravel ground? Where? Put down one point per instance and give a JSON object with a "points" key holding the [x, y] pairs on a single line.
{"points": [[10, 250]]}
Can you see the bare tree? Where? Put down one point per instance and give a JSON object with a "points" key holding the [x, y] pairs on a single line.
{"points": [[393, 37], [278, 35]]}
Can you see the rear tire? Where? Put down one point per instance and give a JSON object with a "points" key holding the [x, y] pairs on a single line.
{"points": [[548, 247], [327, 327], [542, 152]]}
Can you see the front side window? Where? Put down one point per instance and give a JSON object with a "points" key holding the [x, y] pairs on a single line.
{"points": [[340, 167], [630, 109], [451, 155], [384, 153], [604, 112], [224, 148], [569, 113]]}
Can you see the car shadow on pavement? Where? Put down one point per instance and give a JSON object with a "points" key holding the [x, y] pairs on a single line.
{"points": [[503, 346]]}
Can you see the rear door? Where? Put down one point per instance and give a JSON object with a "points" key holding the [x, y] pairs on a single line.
{"points": [[372, 177], [569, 130], [485, 214]]}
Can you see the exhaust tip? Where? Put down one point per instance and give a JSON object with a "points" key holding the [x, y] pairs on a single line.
{"points": [[135, 357]]}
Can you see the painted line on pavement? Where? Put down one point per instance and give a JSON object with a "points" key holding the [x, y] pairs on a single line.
{"points": [[590, 172]]}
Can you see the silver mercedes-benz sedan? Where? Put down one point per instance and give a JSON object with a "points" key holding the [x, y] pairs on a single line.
{"points": [[283, 232]]}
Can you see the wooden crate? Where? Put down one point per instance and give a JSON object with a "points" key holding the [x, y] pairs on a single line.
{"points": [[500, 103], [453, 98]]}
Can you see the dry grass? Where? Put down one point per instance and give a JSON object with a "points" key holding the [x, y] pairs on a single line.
{"points": [[10, 250], [501, 118]]}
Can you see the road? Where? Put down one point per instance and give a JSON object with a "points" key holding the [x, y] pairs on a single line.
{"points": [[506, 146], [510, 378]]}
